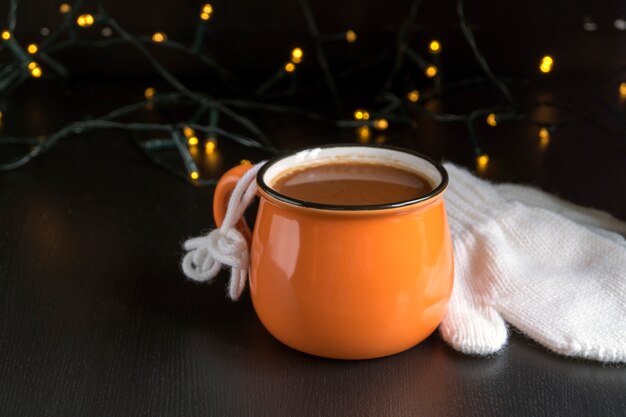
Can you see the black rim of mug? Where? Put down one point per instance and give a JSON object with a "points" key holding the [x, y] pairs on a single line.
{"points": [[336, 207]]}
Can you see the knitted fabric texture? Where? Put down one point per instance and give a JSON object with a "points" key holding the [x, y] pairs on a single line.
{"points": [[547, 267]]}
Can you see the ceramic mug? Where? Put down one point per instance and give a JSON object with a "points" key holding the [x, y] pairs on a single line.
{"points": [[347, 282]]}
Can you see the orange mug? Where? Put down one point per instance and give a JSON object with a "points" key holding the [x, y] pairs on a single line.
{"points": [[344, 282]]}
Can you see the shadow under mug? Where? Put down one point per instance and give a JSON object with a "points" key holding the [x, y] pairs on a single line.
{"points": [[347, 282]]}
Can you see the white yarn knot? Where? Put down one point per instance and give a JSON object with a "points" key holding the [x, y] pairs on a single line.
{"points": [[208, 254], [224, 246]]}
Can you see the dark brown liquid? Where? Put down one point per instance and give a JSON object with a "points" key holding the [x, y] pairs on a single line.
{"points": [[352, 184]]}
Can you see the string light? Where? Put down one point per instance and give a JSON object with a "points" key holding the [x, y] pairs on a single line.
{"points": [[546, 64], [188, 132], [360, 114], [149, 93], [482, 161], [364, 133], [296, 55], [381, 124], [430, 71], [159, 37], [364, 129], [434, 47], [210, 145], [35, 71], [245, 162], [207, 10], [544, 137], [413, 96], [85, 20]]}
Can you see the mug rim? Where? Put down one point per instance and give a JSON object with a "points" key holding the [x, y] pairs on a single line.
{"points": [[339, 207]]}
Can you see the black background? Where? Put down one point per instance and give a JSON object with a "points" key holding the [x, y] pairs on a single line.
{"points": [[95, 315]]}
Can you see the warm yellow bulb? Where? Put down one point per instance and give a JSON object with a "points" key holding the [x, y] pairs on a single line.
{"points": [[194, 175], [245, 162], [65, 8], [546, 64], [622, 89], [364, 134], [159, 37], [36, 72], [32, 48], [381, 124], [188, 132], [351, 36], [149, 93], [6, 35], [434, 47], [430, 71], [207, 10], [296, 55], [192, 141], [85, 20], [482, 161], [492, 120], [31, 65], [360, 114], [413, 96], [210, 145], [290, 67]]}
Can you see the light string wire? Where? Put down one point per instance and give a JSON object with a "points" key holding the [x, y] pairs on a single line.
{"points": [[395, 109]]}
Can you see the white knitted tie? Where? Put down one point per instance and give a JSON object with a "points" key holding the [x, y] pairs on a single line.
{"points": [[545, 266], [225, 245]]}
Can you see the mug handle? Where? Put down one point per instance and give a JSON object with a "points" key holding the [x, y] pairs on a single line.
{"points": [[223, 190]]}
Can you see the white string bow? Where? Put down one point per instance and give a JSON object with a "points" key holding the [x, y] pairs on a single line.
{"points": [[224, 246]]}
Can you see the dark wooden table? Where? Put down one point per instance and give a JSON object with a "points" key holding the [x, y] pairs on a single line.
{"points": [[96, 318]]}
